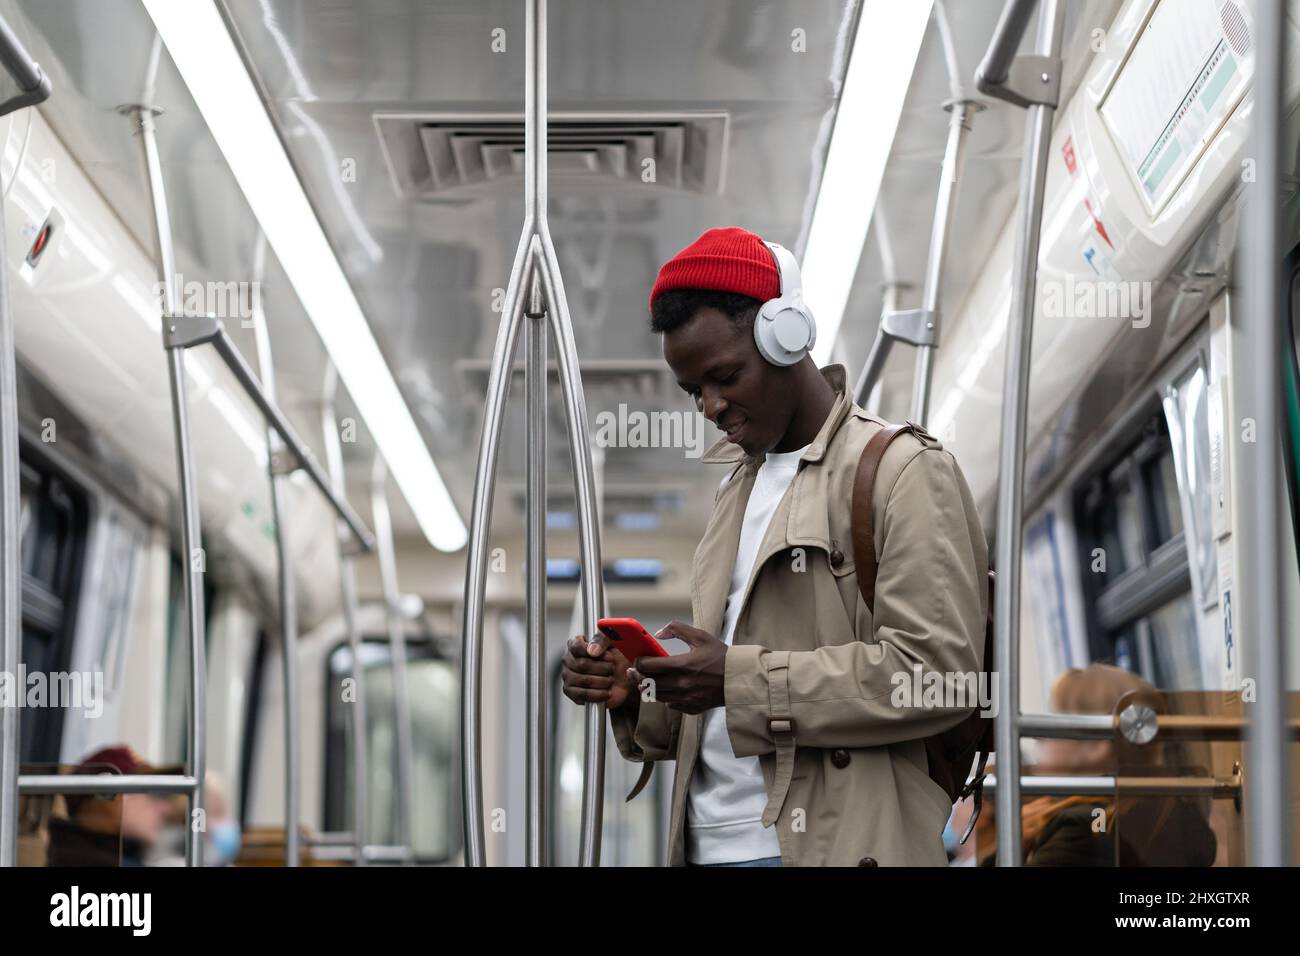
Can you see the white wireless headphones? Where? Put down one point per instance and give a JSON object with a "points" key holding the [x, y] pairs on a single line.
{"points": [[784, 330]]}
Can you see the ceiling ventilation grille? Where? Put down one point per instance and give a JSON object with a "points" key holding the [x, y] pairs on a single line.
{"points": [[1235, 28], [436, 156]]}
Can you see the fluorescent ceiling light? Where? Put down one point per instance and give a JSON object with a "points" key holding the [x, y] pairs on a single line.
{"points": [[881, 63], [204, 53]]}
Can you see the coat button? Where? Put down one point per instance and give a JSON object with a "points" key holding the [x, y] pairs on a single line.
{"points": [[867, 861], [840, 758], [837, 558]]}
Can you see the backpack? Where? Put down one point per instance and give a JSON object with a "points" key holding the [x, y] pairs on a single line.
{"points": [[950, 754]]}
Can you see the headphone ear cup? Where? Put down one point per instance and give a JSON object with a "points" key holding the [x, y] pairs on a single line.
{"points": [[783, 333]]}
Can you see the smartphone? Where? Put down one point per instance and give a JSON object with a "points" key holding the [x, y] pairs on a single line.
{"points": [[630, 638]]}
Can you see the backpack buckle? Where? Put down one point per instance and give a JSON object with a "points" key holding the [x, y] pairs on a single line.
{"points": [[780, 725]]}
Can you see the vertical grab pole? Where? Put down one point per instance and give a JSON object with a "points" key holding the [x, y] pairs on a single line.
{"points": [[1015, 403], [535, 382], [575, 408], [471, 662], [397, 644], [348, 589], [1268, 749], [34, 87], [192, 556], [278, 465], [577, 622], [10, 557], [954, 161], [534, 253]]}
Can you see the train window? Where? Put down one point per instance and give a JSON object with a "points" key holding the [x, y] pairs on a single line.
{"points": [[1175, 659], [1112, 507], [1187, 414], [52, 530], [1166, 514], [45, 525], [1141, 612], [123, 540], [433, 692]]}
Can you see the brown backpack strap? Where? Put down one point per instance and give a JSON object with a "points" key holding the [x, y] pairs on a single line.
{"points": [[647, 771], [864, 542]]}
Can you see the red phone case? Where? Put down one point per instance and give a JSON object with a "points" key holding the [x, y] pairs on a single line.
{"points": [[630, 638]]}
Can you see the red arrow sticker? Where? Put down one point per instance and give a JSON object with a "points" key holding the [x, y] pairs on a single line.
{"points": [[1101, 230]]}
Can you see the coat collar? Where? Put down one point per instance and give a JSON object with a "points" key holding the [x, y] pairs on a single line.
{"points": [[724, 453], [800, 517]]}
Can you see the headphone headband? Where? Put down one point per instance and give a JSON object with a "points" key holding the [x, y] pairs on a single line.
{"points": [[784, 330], [788, 267]]}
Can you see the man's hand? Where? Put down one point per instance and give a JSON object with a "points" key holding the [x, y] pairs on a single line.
{"points": [[690, 682], [595, 674]]}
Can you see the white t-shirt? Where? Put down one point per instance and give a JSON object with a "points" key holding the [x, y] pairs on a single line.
{"points": [[724, 807]]}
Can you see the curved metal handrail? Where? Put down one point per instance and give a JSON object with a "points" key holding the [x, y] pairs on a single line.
{"points": [[534, 261]]}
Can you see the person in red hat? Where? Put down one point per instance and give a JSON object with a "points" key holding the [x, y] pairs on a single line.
{"points": [[791, 745], [109, 830]]}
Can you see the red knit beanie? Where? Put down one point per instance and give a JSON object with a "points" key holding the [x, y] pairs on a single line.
{"points": [[726, 260]]}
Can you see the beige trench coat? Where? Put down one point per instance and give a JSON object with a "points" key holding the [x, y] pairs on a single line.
{"points": [[810, 677]]}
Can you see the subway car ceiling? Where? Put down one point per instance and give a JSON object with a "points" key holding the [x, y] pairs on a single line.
{"points": [[402, 124], [426, 264]]}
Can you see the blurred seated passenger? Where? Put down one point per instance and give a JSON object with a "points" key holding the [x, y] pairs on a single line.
{"points": [[222, 833], [1093, 830], [109, 830]]}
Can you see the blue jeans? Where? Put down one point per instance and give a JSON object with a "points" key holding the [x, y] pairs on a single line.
{"points": [[764, 861]]}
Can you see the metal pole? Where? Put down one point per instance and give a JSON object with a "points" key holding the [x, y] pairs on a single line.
{"points": [[954, 160], [1267, 749], [575, 407], [1068, 726], [18, 63], [1163, 727], [192, 554], [276, 471], [1066, 785], [1015, 401], [577, 621], [476, 562], [397, 645], [35, 87], [881, 346], [535, 383], [1011, 26], [10, 561], [348, 588], [105, 783], [535, 252], [296, 446]]}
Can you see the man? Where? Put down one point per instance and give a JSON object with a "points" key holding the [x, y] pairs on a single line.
{"points": [[782, 719]]}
